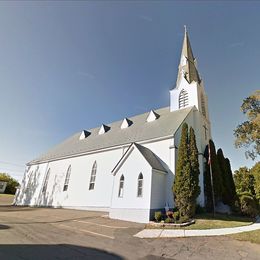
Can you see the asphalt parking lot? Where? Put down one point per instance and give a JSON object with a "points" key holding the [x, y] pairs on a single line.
{"points": [[44, 233]]}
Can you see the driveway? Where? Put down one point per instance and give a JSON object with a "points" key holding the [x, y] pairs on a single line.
{"points": [[44, 233]]}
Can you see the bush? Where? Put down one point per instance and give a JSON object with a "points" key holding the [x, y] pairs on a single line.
{"points": [[248, 205], [236, 208], [200, 210], [184, 219], [158, 216], [169, 214], [169, 220], [176, 215]]}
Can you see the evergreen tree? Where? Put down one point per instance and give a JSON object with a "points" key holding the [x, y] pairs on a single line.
{"points": [[182, 183], [231, 184], [195, 171], [229, 190], [216, 176], [223, 172]]}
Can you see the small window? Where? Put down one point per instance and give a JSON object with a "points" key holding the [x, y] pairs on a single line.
{"points": [[183, 99], [67, 179], [44, 188], [121, 186], [93, 176], [140, 185]]}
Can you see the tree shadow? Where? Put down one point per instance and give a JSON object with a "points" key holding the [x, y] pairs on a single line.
{"points": [[224, 217], [58, 251], [4, 227], [50, 222], [11, 208], [31, 191]]}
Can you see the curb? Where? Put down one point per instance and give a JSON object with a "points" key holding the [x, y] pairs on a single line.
{"points": [[166, 233]]}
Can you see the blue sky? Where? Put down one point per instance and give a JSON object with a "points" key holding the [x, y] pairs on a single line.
{"points": [[68, 66]]}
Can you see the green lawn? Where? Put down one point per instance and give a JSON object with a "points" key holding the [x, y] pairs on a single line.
{"points": [[206, 221], [6, 195], [252, 236]]}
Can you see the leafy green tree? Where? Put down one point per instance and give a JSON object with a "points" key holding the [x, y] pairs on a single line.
{"points": [[11, 183], [182, 182], [247, 134], [244, 181], [195, 171], [255, 171]]}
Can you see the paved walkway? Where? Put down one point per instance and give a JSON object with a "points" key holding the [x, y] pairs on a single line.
{"points": [[153, 233]]}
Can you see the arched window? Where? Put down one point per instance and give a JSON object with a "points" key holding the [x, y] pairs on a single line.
{"points": [[67, 179], [140, 185], [93, 176], [44, 188], [203, 108], [121, 186], [183, 99]]}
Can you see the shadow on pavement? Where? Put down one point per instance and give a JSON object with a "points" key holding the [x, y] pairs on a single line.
{"points": [[4, 227], [8, 208], [60, 251]]}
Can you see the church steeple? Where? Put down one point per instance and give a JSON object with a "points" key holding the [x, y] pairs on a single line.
{"points": [[189, 90], [187, 66]]}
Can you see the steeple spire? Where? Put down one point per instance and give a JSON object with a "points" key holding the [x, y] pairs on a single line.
{"points": [[187, 67]]}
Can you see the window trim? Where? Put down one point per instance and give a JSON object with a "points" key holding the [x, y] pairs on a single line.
{"points": [[93, 176], [140, 180], [67, 179], [183, 99], [121, 186]]}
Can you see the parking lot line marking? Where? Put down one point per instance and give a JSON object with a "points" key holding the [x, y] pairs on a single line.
{"points": [[87, 231], [102, 225]]}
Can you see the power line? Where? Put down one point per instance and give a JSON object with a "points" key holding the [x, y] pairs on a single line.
{"points": [[8, 169], [13, 164]]}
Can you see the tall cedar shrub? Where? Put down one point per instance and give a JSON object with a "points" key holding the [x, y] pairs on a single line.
{"points": [[223, 172], [231, 184], [186, 183], [182, 183], [229, 195], [216, 174], [195, 171]]}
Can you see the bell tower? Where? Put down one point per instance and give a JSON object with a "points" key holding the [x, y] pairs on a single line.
{"points": [[189, 89]]}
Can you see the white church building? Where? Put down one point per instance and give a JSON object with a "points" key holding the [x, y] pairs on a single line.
{"points": [[125, 168]]}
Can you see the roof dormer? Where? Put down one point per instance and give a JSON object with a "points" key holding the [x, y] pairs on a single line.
{"points": [[103, 129], [152, 116], [84, 134], [126, 123]]}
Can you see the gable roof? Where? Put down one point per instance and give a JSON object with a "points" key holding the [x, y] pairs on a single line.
{"points": [[140, 130], [148, 155], [151, 158]]}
